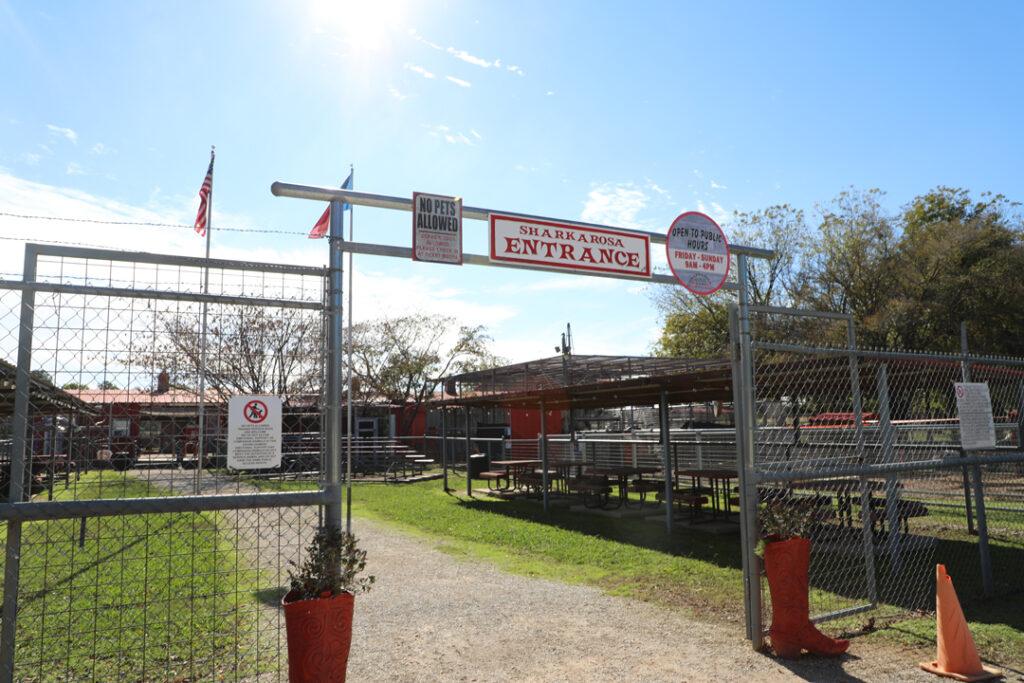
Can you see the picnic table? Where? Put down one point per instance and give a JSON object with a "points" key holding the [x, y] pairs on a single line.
{"points": [[720, 487], [622, 473], [514, 470]]}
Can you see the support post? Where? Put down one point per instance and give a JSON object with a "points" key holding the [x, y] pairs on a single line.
{"points": [[892, 491], [335, 298], [16, 486], [666, 460], [867, 537], [544, 457], [978, 486], [744, 406], [469, 481], [965, 372], [444, 446]]}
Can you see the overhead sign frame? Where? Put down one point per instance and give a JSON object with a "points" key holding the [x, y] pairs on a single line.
{"points": [[698, 253], [433, 238], [568, 247]]}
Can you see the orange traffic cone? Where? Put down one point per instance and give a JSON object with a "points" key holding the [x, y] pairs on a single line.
{"points": [[957, 656]]}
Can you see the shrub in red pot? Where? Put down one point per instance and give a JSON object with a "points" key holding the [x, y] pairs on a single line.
{"points": [[785, 527], [318, 607]]}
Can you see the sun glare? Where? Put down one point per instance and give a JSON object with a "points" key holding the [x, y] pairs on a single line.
{"points": [[362, 25]]}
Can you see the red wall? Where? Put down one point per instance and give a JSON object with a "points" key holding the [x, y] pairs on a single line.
{"points": [[525, 422]]}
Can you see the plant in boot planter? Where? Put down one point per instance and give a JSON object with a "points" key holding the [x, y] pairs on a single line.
{"points": [[318, 606], [785, 528]]}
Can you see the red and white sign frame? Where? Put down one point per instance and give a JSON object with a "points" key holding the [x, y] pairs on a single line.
{"points": [[570, 235], [415, 204], [680, 277]]}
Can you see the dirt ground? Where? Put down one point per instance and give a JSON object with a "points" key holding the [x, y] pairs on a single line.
{"points": [[433, 617]]}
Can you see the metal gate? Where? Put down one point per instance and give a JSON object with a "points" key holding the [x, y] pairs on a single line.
{"points": [[132, 552], [865, 445]]}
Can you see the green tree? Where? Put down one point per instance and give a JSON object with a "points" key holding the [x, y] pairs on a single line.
{"points": [[75, 386], [959, 259], [849, 265]]}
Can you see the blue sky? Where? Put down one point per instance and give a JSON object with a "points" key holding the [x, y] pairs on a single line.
{"points": [[618, 113]]}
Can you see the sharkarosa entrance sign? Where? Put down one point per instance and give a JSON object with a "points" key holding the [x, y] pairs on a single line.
{"points": [[563, 246]]}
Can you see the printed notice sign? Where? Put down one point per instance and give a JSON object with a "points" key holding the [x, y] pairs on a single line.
{"points": [[564, 246], [254, 432], [436, 228], [974, 406], [698, 253]]}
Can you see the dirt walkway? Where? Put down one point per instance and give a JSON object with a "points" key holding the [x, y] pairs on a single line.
{"points": [[434, 617]]}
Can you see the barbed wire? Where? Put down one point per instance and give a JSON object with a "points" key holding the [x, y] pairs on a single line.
{"points": [[146, 224]]}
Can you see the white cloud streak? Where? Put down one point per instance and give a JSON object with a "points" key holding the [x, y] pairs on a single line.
{"points": [[416, 68], [459, 82], [614, 204], [470, 59], [66, 133]]}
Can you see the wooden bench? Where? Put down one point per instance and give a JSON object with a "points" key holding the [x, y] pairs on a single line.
{"points": [[645, 486], [493, 479], [595, 490]]}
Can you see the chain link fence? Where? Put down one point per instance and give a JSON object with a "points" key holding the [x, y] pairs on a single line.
{"points": [[132, 551], [866, 442]]}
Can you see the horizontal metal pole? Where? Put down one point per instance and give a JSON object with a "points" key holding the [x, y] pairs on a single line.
{"points": [[885, 355], [840, 613], [172, 260], [884, 469], [481, 260], [70, 509], [380, 201], [799, 312], [126, 293]]}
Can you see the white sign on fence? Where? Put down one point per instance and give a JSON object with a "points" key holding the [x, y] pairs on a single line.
{"points": [[564, 246], [254, 432], [697, 252], [974, 405], [436, 228]]}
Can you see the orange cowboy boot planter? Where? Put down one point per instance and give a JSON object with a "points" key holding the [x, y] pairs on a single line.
{"points": [[787, 556]]}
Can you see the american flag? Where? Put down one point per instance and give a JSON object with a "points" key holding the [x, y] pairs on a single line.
{"points": [[204, 199], [322, 226]]}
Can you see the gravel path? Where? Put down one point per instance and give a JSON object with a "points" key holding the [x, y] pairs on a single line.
{"points": [[432, 617], [435, 617]]}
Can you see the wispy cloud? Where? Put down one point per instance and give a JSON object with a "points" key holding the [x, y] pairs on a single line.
{"points": [[100, 149], [715, 210], [459, 82], [416, 68], [31, 158], [473, 132], [66, 133], [452, 137], [718, 186], [396, 93], [515, 69], [74, 169], [421, 39], [469, 59], [614, 204], [549, 93]]}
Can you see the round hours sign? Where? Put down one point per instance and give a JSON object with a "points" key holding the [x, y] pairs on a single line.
{"points": [[698, 253]]}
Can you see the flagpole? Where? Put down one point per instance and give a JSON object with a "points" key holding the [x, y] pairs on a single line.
{"points": [[348, 460], [201, 445]]}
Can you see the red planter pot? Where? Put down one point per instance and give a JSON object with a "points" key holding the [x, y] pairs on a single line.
{"points": [[319, 637]]}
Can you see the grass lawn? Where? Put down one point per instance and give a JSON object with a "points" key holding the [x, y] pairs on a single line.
{"points": [[694, 571], [147, 597]]}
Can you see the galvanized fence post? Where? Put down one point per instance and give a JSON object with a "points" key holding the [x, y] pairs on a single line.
{"points": [[865, 493], [745, 406], [16, 485], [333, 510], [444, 446], [469, 480], [978, 486], [543, 436], [892, 491], [666, 459]]}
